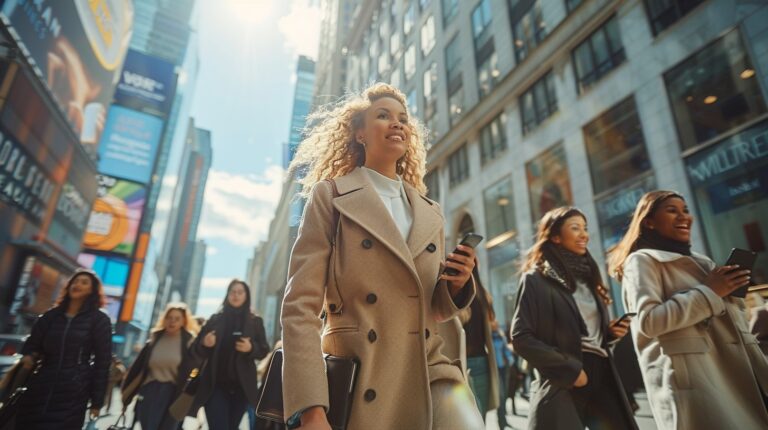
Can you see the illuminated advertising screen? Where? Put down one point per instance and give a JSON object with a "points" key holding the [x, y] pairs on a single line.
{"points": [[115, 217], [113, 272], [146, 84], [549, 183], [129, 144], [76, 47]]}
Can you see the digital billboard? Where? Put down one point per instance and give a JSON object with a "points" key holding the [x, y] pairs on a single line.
{"points": [[146, 84], [113, 272], [129, 144], [76, 47], [115, 217]]}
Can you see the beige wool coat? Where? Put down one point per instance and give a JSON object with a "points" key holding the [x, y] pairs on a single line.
{"points": [[383, 303], [702, 367]]}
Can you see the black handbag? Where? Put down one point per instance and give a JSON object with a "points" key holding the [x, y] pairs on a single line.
{"points": [[342, 373], [181, 406], [121, 423]]}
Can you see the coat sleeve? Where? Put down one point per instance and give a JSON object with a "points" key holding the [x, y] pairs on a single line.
{"points": [[102, 351], [445, 307], [552, 363], [34, 343], [130, 385], [643, 293], [259, 345], [304, 381]]}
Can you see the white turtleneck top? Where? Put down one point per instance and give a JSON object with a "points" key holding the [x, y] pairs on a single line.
{"points": [[392, 193]]}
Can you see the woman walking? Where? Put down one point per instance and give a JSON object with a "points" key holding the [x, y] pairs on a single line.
{"points": [[230, 342], [561, 327], [161, 368], [368, 256], [701, 366], [73, 344]]}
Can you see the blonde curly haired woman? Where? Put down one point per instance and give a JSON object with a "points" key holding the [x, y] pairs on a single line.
{"points": [[369, 257]]}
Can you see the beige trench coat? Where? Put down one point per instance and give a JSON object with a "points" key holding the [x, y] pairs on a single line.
{"points": [[383, 306], [702, 367]]}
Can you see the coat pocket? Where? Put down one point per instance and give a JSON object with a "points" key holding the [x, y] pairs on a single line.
{"points": [[684, 353]]}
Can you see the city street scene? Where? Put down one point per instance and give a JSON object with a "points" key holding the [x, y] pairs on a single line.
{"points": [[383, 214]]}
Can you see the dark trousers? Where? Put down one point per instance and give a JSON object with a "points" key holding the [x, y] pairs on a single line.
{"points": [[599, 403], [501, 412], [225, 409], [152, 408]]}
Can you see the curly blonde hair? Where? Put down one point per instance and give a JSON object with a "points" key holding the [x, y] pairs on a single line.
{"points": [[330, 148]]}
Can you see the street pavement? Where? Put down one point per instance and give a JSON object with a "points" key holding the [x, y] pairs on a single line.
{"points": [[518, 422]]}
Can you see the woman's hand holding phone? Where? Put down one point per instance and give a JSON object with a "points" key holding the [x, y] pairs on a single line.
{"points": [[462, 261], [244, 344]]}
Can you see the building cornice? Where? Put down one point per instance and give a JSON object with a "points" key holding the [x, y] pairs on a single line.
{"points": [[361, 23]]}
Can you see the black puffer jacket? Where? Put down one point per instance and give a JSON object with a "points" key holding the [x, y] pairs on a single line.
{"points": [[75, 355]]}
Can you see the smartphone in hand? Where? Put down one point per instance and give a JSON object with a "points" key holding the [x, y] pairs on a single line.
{"points": [[471, 240], [624, 317], [745, 260]]}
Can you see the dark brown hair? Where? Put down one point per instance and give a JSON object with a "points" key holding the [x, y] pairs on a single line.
{"points": [[96, 300], [647, 205]]}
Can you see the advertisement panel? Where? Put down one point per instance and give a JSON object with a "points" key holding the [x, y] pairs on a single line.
{"points": [[113, 272], [549, 183], [114, 222], [76, 47], [146, 84], [38, 288], [129, 144]]}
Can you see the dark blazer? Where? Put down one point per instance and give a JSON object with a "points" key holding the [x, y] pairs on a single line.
{"points": [[546, 330], [75, 358], [245, 363], [138, 372]]}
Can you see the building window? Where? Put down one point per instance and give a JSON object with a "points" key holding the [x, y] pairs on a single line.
{"points": [[549, 183], [600, 53], [538, 103], [572, 4], [409, 18], [432, 181], [456, 103], [616, 147], [499, 209], [458, 166], [663, 13], [410, 62], [488, 73], [493, 138], [413, 103], [481, 22], [395, 46], [394, 79], [428, 36], [430, 92], [528, 26], [453, 58], [423, 4], [450, 10], [714, 91], [383, 63]]}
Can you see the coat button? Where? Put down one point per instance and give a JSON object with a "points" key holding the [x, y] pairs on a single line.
{"points": [[371, 298], [372, 336], [367, 244], [369, 395], [431, 247], [426, 333], [332, 307]]}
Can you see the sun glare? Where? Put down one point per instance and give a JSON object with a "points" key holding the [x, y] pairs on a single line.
{"points": [[251, 11]]}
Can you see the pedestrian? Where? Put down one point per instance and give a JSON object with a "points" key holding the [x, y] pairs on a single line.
{"points": [[116, 374], [231, 341], [561, 326], [159, 372], [504, 360], [72, 343], [701, 366], [375, 274], [481, 357]]}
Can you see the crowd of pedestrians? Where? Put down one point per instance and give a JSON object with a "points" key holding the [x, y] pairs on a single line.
{"points": [[368, 280]]}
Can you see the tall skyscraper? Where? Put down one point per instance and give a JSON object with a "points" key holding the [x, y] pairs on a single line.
{"points": [[331, 68], [302, 104], [173, 264]]}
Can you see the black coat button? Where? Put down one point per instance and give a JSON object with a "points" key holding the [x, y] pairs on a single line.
{"points": [[369, 395], [372, 336], [332, 307], [431, 247], [426, 333], [371, 298], [367, 244]]}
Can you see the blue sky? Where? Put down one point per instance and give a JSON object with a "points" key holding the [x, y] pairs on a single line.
{"points": [[248, 51]]}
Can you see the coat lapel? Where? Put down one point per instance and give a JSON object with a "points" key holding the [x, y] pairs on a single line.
{"points": [[427, 221]]}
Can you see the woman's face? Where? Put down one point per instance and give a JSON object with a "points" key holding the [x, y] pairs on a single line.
{"points": [[236, 296], [672, 220], [81, 287], [573, 235], [386, 132], [174, 321]]}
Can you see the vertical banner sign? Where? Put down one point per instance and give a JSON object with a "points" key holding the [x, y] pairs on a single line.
{"points": [[129, 144], [114, 222]]}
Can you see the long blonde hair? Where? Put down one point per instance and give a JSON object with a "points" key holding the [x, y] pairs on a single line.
{"points": [[618, 254], [331, 149], [190, 323]]}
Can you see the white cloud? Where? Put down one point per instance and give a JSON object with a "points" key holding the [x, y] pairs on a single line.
{"points": [[301, 28], [239, 208], [211, 250]]}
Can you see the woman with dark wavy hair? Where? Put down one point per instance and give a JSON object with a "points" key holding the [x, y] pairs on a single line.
{"points": [[561, 327], [72, 342]]}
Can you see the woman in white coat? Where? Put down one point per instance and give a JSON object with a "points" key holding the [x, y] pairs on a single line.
{"points": [[701, 366]]}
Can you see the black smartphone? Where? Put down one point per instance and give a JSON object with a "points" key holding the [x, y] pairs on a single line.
{"points": [[237, 335], [624, 317], [746, 260], [471, 240]]}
